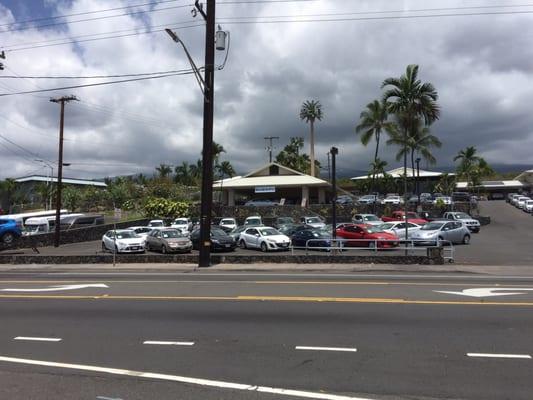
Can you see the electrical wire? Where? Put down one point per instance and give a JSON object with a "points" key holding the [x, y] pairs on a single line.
{"points": [[94, 84], [24, 28], [16, 76]]}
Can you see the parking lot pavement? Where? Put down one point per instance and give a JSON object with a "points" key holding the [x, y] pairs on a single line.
{"points": [[505, 241]]}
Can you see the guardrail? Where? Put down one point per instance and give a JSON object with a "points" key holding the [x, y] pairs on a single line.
{"points": [[409, 246]]}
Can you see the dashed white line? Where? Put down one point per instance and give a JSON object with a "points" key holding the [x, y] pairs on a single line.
{"points": [[37, 339], [184, 379], [165, 343], [352, 349], [492, 355]]}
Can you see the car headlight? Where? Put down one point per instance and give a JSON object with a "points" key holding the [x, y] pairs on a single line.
{"points": [[215, 241]]}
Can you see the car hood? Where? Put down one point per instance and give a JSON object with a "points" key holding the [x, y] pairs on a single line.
{"points": [[129, 241], [177, 240], [422, 234], [278, 238]]}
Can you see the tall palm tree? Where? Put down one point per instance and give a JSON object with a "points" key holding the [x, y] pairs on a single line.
{"points": [[163, 170], [183, 174], [224, 169], [218, 149], [372, 122], [468, 160], [310, 112]]}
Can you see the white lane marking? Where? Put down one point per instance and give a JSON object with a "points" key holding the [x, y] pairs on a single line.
{"points": [[184, 379], [161, 342], [57, 288], [353, 349], [488, 292], [492, 355], [38, 339]]}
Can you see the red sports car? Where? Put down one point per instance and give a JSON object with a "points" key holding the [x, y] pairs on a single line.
{"points": [[367, 236]]}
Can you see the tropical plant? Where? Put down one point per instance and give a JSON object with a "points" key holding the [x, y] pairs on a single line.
{"points": [[290, 156], [412, 102], [446, 184], [163, 170], [468, 163], [372, 122], [165, 208], [184, 174], [71, 198], [311, 111]]}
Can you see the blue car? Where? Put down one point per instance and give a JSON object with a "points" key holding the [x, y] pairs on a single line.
{"points": [[9, 231]]}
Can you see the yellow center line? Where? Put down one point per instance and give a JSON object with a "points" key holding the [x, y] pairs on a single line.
{"points": [[362, 300]]}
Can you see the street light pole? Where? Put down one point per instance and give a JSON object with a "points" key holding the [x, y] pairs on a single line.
{"points": [[418, 180], [334, 151]]}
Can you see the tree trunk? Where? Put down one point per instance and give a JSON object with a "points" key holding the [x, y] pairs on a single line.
{"points": [[312, 144]]}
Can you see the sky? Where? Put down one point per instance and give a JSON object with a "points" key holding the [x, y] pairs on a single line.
{"points": [[281, 53]]}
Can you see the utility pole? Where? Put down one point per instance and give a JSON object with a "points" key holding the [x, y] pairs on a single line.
{"points": [[270, 146], [418, 182], [2, 57], [329, 167], [333, 151], [207, 152], [62, 101]]}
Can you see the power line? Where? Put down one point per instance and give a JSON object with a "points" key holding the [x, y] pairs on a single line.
{"points": [[16, 76], [93, 19], [94, 84]]}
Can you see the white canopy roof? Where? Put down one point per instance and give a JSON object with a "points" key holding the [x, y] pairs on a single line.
{"points": [[493, 184], [68, 181], [398, 173]]}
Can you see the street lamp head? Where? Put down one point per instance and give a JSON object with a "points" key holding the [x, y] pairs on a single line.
{"points": [[172, 35], [418, 160], [334, 151]]}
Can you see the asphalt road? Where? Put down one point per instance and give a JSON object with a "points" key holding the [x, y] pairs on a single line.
{"points": [[505, 241], [371, 337]]}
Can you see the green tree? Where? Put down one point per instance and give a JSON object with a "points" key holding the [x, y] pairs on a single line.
{"points": [[290, 156], [163, 170], [71, 198], [372, 122], [446, 184], [311, 111], [184, 174], [468, 161], [412, 102]]}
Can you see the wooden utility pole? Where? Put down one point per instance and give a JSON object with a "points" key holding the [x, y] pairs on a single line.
{"points": [[207, 151], [62, 101]]}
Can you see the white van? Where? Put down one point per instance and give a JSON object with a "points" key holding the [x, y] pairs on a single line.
{"points": [[38, 225]]}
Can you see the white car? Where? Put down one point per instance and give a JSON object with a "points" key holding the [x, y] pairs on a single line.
{"points": [[184, 225], [397, 200], [472, 224], [122, 241], [228, 224], [368, 219], [142, 231], [529, 206], [315, 222], [264, 238], [156, 223], [446, 200], [398, 228], [521, 202], [254, 220]]}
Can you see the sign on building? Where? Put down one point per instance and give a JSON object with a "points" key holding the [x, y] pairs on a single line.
{"points": [[265, 189]]}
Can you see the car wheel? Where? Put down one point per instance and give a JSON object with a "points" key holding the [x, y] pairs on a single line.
{"points": [[8, 238], [147, 247], [242, 244], [264, 247], [466, 239], [164, 249]]}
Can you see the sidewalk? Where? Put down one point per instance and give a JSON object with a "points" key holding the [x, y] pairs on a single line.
{"points": [[273, 268]]}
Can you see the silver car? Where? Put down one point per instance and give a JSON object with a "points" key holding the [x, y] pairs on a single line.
{"points": [[168, 240], [448, 231]]}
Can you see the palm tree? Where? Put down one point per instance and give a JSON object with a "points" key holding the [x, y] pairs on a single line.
{"points": [[412, 102], [372, 122], [163, 170], [218, 149], [224, 169], [468, 160], [310, 112], [183, 174]]}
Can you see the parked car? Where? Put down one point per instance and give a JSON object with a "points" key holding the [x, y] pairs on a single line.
{"points": [[369, 219], [461, 196], [81, 221], [236, 233], [220, 240], [311, 238], [289, 230], [399, 215], [509, 197], [9, 230], [315, 222], [156, 223], [168, 240], [364, 235], [260, 203], [521, 202], [122, 241], [368, 199], [228, 224], [264, 238], [514, 198], [395, 199], [281, 221], [142, 231], [344, 199], [254, 220], [529, 206], [432, 232], [398, 228], [472, 224], [446, 200], [183, 224]]}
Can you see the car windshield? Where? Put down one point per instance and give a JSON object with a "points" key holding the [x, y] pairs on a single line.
{"points": [[227, 222], [253, 221], [268, 232], [370, 218], [386, 226], [462, 215], [374, 229], [432, 226], [35, 228], [287, 220], [218, 233], [180, 222], [126, 235], [171, 234], [313, 220], [321, 234], [156, 223]]}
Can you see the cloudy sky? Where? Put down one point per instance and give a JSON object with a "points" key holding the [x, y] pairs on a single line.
{"points": [[480, 62]]}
